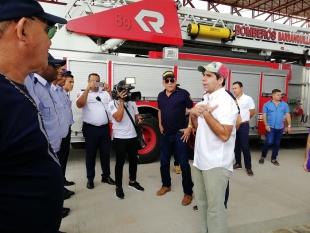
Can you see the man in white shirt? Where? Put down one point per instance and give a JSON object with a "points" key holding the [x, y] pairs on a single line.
{"points": [[96, 130], [215, 119], [125, 139], [247, 111]]}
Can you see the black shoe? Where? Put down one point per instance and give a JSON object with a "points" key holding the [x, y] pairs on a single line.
{"points": [[90, 184], [119, 193], [68, 194], [68, 183], [108, 180], [135, 186], [195, 208], [65, 213]]}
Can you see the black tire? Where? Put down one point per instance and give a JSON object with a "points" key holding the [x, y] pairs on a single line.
{"points": [[152, 139]]}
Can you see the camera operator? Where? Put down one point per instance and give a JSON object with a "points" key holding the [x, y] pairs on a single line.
{"points": [[96, 129], [125, 137]]}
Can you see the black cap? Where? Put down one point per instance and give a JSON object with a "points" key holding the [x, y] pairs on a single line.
{"points": [[16, 9], [52, 60], [168, 74]]}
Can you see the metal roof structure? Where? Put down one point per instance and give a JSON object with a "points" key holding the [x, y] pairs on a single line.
{"points": [[291, 12]]}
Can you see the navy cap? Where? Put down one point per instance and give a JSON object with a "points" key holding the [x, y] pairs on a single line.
{"points": [[52, 60], [64, 71], [168, 74], [16, 9]]}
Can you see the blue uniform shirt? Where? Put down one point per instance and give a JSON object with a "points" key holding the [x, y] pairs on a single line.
{"points": [[60, 103], [31, 180], [173, 110], [42, 90], [68, 107], [275, 114]]}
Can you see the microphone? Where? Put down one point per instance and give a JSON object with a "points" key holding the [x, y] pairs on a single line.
{"points": [[98, 98]]}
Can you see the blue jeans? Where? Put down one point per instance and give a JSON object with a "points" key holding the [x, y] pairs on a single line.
{"points": [[242, 142], [169, 144], [272, 137]]}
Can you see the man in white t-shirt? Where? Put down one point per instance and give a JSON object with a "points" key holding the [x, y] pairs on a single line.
{"points": [[247, 111], [125, 139], [215, 119]]}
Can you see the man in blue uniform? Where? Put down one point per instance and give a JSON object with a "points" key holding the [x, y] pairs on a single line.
{"points": [[175, 132], [31, 193], [63, 100], [66, 83]]}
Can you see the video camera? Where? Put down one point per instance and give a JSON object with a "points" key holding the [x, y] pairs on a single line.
{"points": [[125, 85]]}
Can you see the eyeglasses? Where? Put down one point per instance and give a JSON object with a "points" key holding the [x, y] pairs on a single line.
{"points": [[47, 28], [169, 80], [51, 30]]}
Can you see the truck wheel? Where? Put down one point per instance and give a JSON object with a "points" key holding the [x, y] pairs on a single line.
{"points": [[152, 138]]}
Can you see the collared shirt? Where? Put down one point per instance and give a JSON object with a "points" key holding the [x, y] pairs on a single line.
{"points": [[275, 114], [58, 97], [125, 128], [172, 110], [210, 151], [31, 179], [29, 83], [245, 103], [95, 111], [68, 107], [42, 91]]}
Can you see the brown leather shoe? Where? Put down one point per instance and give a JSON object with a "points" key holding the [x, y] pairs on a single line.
{"points": [[163, 191], [187, 200], [237, 166], [249, 172]]}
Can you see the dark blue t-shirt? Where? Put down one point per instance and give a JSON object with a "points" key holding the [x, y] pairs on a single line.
{"points": [[31, 180], [173, 110]]}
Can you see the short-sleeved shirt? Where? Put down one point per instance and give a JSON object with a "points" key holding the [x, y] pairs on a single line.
{"points": [[96, 109], [42, 91], [68, 107], [275, 114], [125, 128], [58, 97], [31, 180], [210, 151], [173, 108], [245, 103]]}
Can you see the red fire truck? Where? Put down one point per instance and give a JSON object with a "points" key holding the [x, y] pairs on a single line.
{"points": [[143, 39]]}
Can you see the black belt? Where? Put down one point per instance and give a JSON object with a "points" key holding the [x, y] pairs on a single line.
{"points": [[100, 126], [245, 122]]}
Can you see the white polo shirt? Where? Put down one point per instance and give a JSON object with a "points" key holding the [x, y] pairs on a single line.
{"points": [[125, 128], [245, 103], [210, 151], [95, 111]]}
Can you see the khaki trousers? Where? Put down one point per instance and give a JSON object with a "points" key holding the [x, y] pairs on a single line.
{"points": [[209, 189]]}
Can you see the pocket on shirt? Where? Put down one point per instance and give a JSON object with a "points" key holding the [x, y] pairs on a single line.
{"points": [[46, 109]]}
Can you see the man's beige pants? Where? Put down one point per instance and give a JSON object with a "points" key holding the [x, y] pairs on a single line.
{"points": [[210, 187]]}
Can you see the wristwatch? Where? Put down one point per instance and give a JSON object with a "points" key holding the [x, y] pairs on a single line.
{"points": [[289, 126], [189, 126]]}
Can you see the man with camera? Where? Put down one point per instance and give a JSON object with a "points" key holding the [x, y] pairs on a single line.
{"points": [[96, 130], [123, 112], [175, 132]]}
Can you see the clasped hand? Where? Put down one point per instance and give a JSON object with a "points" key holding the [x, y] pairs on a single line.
{"points": [[199, 109]]}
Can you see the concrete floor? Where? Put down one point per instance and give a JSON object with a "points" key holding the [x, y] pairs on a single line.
{"points": [[275, 199]]}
